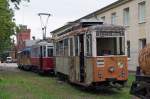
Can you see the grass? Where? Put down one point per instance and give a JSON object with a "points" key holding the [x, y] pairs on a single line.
{"points": [[27, 85]]}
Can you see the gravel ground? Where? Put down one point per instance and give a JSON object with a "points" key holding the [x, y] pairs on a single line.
{"points": [[10, 67]]}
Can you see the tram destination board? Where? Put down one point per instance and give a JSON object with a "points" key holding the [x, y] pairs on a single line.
{"points": [[110, 34]]}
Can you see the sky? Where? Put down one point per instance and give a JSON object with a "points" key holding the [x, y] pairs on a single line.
{"points": [[62, 11]]}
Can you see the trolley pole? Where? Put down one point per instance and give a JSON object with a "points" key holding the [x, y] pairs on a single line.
{"points": [[44, 25]]}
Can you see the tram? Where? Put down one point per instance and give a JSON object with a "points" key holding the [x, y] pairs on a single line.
{"points": [[38, 57], [91, 54]]}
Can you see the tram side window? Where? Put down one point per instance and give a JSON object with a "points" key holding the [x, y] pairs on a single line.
{"points": [[76, 46], [121, 46], [89, 44], [44, 51], [27, 53], [49, 51], [57, 48], [38, 52], [35, 52], [61, 48], [71, 47], [65, 47]]}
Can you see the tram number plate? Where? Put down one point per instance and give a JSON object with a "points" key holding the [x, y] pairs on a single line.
{"points": [[100, 62]]}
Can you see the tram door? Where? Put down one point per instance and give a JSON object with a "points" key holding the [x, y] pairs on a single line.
{"points": [[82, 71]]}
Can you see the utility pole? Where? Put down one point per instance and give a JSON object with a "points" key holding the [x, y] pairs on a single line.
{"points": [[44, 26]]}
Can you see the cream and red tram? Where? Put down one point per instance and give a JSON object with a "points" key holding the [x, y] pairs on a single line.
{"points": [[37, 57], [92, 55]]}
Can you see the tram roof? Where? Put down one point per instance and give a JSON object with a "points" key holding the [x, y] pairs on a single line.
{"points": [[108, 27], [44, 43]]}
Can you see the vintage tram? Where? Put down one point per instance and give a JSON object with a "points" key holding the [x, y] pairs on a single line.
{"points": [[38, 57], [24, 58], [91, 54]]}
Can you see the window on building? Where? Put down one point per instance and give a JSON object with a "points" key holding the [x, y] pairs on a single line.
{"points": [[142, 11], [142, 43], [103, 18], [128, 48], [126, 16], [113, 18]]}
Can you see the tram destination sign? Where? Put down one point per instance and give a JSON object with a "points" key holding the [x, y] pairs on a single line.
{"points": [[110, 34]]}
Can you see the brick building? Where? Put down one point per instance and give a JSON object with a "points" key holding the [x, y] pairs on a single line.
{"points": [[22, 36]]}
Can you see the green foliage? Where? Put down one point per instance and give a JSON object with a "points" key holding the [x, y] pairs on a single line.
{"points": [[3, 56], [6, 25], [26, 85], [17, 3]]}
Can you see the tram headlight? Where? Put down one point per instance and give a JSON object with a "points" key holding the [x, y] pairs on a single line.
{"points": [[120, 64], [111, 69]]}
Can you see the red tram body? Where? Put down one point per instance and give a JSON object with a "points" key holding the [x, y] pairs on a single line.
{"points": [[40, 57]]}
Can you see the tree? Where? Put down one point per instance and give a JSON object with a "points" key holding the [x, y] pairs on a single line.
{"points": [[7, 24], [17, 3]]}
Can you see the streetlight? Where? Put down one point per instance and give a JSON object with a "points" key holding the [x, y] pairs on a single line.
{"points": [[44, 26]]}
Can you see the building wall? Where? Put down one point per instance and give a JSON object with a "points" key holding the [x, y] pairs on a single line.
{"points": [[148, 20], [135, 31]]}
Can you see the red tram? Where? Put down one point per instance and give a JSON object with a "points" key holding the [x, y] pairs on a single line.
{"points": [[38, 57]]}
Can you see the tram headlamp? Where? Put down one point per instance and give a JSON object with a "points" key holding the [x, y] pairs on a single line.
{"points": [[112, 69], [121, 64]]}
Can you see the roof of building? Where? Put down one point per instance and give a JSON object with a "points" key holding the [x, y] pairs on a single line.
{"points": [[102, 10]]}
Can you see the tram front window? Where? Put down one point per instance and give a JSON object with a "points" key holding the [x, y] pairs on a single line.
{"points": [[110, 46]]}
